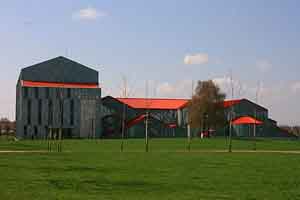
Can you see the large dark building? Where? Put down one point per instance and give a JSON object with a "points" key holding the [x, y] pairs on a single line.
{"points": [[58, 94], [63, 96]]}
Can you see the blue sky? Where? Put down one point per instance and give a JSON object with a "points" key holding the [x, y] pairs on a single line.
{"points": [[150, 40]]}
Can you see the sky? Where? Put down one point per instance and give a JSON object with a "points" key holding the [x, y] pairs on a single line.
{"points": [[168, 44]]}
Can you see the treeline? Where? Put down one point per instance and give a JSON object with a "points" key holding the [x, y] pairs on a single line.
{"points": [[7, 127], [295, 130]]}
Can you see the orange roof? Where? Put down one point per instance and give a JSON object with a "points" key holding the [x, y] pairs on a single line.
{"points": [[155, 104], [57, 85], [228, 103], [246, 120]]}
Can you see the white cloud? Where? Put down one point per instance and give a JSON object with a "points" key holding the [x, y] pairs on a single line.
{"points": [[196, 59], [295, 86], [89, 13], [179, 89], [264, 65]]}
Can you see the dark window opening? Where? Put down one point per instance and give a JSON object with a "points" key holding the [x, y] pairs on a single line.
{"points": [[47, 93], [36, 92], [69, 92], [25, 131], [50, 112], [40, 112], [58, 93], [29, 112], [72, 112], [25, 94], [61, 106], [35, 131]]}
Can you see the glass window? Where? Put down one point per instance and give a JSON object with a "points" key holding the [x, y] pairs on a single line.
{"points": [[40, 112], [29, 112], [25, 92], [36, 92]]}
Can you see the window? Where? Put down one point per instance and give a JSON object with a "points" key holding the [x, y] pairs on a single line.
{"points": [[57, 93], [25, 90], [69, 92], [25, 131], [36, 92], [72, 112], [29, 112], [47, 93], [35, 131], [50, 112], [40, 112], [61, 106]]}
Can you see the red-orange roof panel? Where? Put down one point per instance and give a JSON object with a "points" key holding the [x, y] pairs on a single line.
{"points": [[159, 104], [246, 120], [57, 85]]}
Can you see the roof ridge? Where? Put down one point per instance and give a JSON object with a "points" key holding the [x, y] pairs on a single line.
{"points": [[151, 98]]}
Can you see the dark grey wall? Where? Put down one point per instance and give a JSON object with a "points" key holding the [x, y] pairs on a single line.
{"points": [[34, 120]]}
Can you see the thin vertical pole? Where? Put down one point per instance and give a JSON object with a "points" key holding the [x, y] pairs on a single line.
{"points": [[146, 137], [123, 128], [189, 137], [255, 116], [147, 119], [231, 114], [190, 122], [124, 114]]}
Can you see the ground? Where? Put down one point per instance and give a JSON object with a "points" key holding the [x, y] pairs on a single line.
{"points": [[88, 169]]}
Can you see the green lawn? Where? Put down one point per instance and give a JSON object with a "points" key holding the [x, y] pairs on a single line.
{"points": [[90, 169]]}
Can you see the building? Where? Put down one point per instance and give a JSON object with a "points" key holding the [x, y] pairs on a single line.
{"points": [[58, 94], [249, 118], [61, 95], [167, 117]]}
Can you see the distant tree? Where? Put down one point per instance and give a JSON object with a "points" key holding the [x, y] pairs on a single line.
{"points": [[206, 107], [295, 130]]}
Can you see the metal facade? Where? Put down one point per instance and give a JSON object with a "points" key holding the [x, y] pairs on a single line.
{"points": [[75, 110]]}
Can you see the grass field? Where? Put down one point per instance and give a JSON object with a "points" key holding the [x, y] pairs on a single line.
{"points": [[88, 169]]}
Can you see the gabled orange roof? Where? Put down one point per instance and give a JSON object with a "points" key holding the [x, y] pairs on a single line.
{"points": [[155, 104], [246, 120]]}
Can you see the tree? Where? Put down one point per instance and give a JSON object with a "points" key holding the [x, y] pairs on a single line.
{"points": [[206, 109]]}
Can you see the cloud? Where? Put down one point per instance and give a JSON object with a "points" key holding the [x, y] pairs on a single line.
{"points": [[295, 86], [264, 65], [89, 13], [196, 59], [179, 89]]}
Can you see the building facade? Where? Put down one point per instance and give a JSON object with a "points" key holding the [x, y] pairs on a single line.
{"points": [[166, 117], [253, 120], [58, 94]]}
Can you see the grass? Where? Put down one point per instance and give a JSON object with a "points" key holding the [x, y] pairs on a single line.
{"points": [[90, 169]]}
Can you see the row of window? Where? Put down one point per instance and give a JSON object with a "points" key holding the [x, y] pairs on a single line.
{"points": [[50, 112], [58, 93]]}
